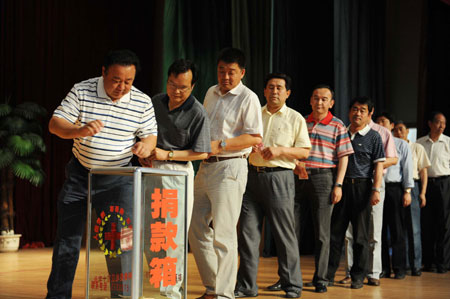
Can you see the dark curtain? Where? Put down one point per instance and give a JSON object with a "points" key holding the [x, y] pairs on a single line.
{"points": [[196, 30], [435, 70], [251, 33], [303, 47], [46, 47], [359, 53]]}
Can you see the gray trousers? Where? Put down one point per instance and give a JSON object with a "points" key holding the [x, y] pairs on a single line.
{"points": [[271, 195], [317, 189]]}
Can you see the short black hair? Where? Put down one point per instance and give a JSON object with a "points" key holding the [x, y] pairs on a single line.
{"points": [[433, 115], [389, 116], [364, 100], [121, 57], [232, 55], [324, 86], [181, 66], [401, 122], [286, 78]]}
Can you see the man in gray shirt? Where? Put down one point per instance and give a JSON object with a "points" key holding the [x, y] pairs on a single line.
{"points": [[184, 136]]}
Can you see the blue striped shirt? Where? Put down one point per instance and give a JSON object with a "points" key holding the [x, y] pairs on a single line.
{"points": [[123, 120]]}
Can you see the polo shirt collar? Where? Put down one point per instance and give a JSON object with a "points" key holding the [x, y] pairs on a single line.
{"points": [[361, 132], [185, 106], [282, 110], [235, 91], [440, 139], [324, 121], [102, 93]]}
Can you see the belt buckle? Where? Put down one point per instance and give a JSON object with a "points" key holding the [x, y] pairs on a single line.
{"points": [[260, 168]]}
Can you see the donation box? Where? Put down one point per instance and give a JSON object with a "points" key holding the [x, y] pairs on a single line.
{"points": [[136, 241]]}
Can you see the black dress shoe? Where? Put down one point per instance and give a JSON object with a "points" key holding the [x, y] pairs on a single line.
{"points": [[441, 270], [309, 284], [275, 287], [293, 294], [400, 275], [429, 268], [416, 272], [385, 274], [244, 294], [357, 284], [321, 288]]}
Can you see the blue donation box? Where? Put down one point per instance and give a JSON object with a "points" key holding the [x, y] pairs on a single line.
{"points": [[136, 243]]}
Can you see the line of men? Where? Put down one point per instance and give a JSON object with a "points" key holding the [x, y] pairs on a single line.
{"points": [[344, 167]]}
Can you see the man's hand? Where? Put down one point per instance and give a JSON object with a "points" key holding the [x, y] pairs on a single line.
{"points": [[269, 153], [375, 198], [146, 162], [423, 200], [91, 128], [336, 195], [141, 149], [215, 148], [406, 199]]}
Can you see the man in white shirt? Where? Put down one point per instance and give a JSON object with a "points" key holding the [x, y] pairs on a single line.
{"points": [[436, 214], [234, 112]]}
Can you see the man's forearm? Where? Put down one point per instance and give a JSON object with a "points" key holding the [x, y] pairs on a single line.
{"points": [[341, 169], [242, 141]]}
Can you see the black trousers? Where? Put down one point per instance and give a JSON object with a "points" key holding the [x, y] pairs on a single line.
{"points": [[394, 221], [354, 208], [436, 224]]}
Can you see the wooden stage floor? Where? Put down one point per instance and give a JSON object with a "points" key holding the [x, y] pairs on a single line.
{"points": [[24, 274]]}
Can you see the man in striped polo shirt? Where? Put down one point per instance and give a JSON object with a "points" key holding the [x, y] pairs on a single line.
{"points": [[359, 193], [326, 166], [103, 116]]}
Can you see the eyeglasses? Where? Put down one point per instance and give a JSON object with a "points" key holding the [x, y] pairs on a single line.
{"points": [[174, 87]]}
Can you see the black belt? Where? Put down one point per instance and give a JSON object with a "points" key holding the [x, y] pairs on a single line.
{"points": [[356, 181], [436, 179], [313, 171], [174, 161], [393, 183], [213, 159], [266, 169]]}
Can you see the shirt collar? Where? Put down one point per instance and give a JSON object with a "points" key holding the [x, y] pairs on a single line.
{"points": [[361, 132], [185, 106], [102, 93], [235, 91], [282, 110], [324, 121], [440, 139]]}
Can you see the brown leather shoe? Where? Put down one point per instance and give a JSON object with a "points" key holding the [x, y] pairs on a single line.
{"points": [[373, 281], [346, 280], [207, 296]]}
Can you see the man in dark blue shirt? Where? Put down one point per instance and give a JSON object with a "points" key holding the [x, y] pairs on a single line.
{"points": [[359, 193]]}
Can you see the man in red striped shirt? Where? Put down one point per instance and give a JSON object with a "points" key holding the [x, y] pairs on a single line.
{"points": [[326, 167]]}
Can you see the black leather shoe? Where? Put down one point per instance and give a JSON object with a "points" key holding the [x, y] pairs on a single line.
{"points": [[416, 272], [309, 284], [275, 287], [320, 288], [385, 274], [293, 294], [357, 284], [429, 268], [441, 270], [243, 294], [400, 275]]}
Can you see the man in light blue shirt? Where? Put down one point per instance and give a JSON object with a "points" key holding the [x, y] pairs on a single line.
{"points": [[399, 182]]}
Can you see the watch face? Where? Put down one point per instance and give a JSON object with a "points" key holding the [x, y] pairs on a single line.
{"points": [[170, 154], [223, 144]]}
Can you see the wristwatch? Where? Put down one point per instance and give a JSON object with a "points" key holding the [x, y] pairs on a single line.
{"points": [[376, 189], [223, 144], [170, 155], [338, 185], [408, 190]]}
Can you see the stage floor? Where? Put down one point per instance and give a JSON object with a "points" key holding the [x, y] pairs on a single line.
{"points": [[24, 274]]}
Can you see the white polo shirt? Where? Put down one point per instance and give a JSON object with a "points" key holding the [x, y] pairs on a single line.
{"points": [[439, 154]]}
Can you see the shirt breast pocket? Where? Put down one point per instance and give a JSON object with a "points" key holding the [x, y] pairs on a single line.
{"points": [[180, 138], [282, 136]]}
